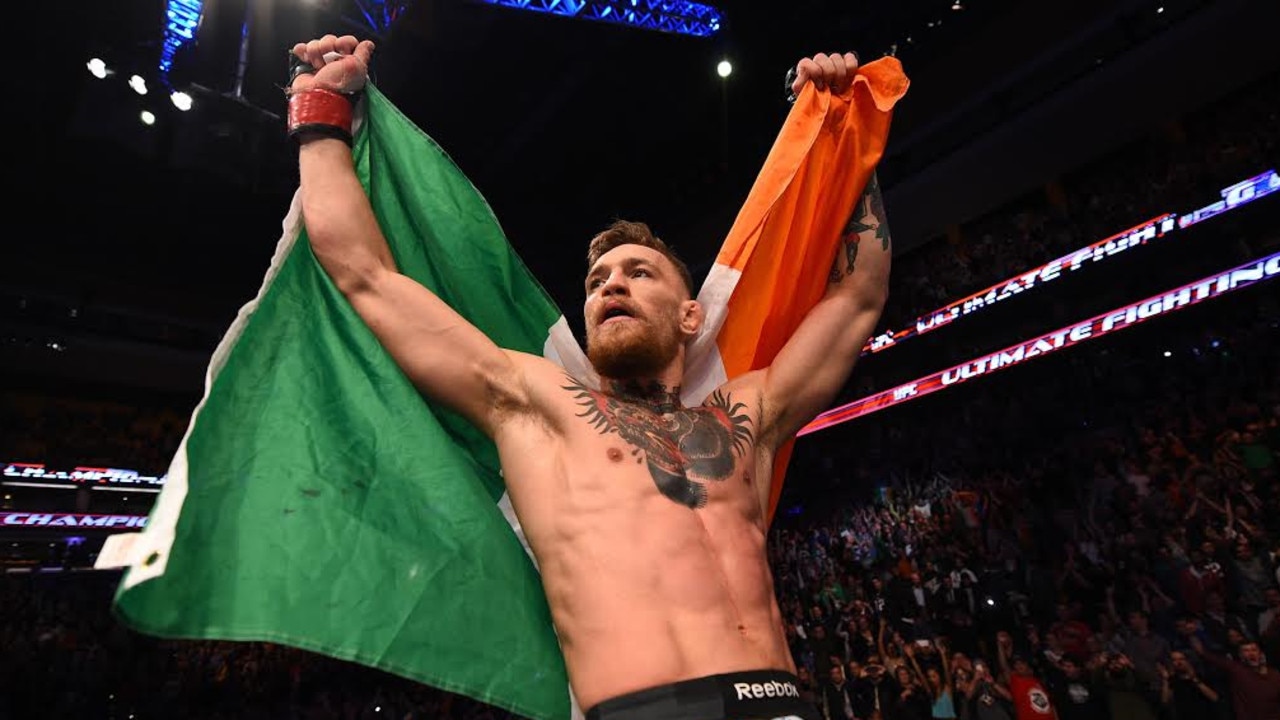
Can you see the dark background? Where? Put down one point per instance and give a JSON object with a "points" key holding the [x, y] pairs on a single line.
{"points": [[133, 246]]}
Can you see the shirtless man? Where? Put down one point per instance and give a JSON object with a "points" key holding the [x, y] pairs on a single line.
{"points": [[647, 518]]}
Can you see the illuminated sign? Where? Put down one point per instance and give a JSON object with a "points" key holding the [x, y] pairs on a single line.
{"points": [[1265, 269], [1232, 197], [28, 519], [39, 475]]}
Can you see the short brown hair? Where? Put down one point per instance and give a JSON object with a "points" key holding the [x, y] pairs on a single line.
{"points": [[625, 232]]}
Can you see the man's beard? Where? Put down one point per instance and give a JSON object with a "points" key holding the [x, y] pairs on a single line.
{"points": [[639, 350]]}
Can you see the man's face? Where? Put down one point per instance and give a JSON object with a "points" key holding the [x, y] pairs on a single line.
{"points": [[638, 314], [1137, 622], [1251, 654], [1273, 598], [1181, 665]]}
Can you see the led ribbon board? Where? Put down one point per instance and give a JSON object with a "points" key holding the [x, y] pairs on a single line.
{"points": [[1233, 197], [1125, 317], [71, 520], [39, 475]]}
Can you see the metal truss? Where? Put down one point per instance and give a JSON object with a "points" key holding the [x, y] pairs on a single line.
{"points": [[672, 16], [380, 15]]}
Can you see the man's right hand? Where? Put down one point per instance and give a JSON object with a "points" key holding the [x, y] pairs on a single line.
{"points": [[347, 74]]}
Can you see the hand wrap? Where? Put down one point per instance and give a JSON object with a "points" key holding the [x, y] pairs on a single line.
{"points": [[316, 111]]}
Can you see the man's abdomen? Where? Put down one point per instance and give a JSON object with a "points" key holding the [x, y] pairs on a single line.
{"points": [[650, 592]]}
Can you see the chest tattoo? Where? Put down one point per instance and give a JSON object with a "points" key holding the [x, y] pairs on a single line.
{"points": [[683, 447]]}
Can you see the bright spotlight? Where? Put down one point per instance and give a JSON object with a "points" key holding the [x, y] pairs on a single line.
{"points": [[724, 69], [138, 84], [956, 5], [1168, 354], [181, 100], [97, 68], [1159, 9], [148, 118]]}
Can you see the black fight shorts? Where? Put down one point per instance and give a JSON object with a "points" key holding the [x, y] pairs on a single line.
{"points": [[754, 695]]}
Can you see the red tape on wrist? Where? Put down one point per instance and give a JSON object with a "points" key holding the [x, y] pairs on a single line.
{"points": [[317, 111]]}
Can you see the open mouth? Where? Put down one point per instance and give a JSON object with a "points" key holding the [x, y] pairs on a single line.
{"points": [[614, 313]]}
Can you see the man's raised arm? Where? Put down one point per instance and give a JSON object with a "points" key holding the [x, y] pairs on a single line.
{"points": [[811, 368], [445, 356]]}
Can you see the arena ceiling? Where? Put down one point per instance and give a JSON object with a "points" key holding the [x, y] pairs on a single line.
{"points": [[562, 124]]}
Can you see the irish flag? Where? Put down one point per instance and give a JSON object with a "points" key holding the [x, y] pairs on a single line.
{"points": [[318, 500]]}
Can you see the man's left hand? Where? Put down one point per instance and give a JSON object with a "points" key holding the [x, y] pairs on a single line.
{"points": [[826, 71]]}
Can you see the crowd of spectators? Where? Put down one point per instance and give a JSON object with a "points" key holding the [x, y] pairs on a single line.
{"points": [[1118, 562], [66, 656], [1100, 539], [63, 431]]}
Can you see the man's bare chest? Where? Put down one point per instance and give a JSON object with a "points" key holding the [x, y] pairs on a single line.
{"points": [[688, 452]]}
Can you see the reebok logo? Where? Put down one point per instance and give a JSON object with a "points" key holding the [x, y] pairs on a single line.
{"points": [[751, 691]]}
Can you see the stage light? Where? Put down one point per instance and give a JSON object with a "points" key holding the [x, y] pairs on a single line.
{"points": [[1168, 354], [181, 100], [148, 117], [138, 84], [724, 69], [97, 68], [1159, 9], [956, 5]]}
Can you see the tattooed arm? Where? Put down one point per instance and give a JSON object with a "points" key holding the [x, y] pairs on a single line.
{"points": [[815, 363]]}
